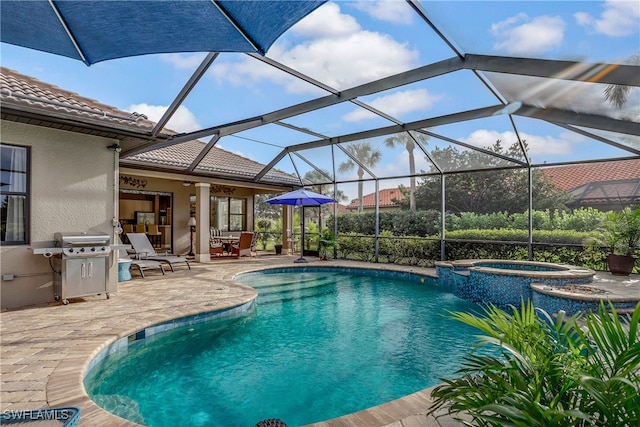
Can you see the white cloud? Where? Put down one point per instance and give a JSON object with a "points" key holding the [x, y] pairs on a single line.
{"points": [[187, 61], [326, 21], [182, 121], [396, 104], [540, 147], [520, 35], [350, 60], [393, 11], [338, 53], [250, 73], [619, 18]]}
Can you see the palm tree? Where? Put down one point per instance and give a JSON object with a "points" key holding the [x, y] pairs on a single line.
{"points": [[408, 141], [617, 94], [366, 156]]}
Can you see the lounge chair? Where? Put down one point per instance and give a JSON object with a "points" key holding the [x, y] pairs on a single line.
{"points": [[144, 251], [140, 264], [243, 247]]}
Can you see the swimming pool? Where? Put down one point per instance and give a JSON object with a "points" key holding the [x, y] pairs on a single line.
{"points": [[319, 344]]}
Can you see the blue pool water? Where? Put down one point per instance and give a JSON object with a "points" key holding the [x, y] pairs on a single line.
{"points": [[318, 345]]}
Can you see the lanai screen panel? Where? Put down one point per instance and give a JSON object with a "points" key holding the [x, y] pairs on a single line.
{"points": [[319, 160], [549, 143], [336, 120], [273, 135], [476, 144], [344, 44], [566, 30], [581, 97], [356, 160], [445, 94], [627, 140], [256, 89], [400, 153]]}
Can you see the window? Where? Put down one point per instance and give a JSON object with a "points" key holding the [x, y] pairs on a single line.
{"points": [[14, 184], [237, 214], [228, 213]]}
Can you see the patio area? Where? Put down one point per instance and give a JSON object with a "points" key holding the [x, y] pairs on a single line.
{"points": [[46, 348]]}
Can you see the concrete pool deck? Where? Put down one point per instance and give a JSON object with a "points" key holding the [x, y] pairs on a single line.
{"points": [[45, 349]]}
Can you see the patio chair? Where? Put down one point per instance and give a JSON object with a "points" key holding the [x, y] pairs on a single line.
{"points": [[144, 251], [215, 243], [254, 240], [243, 247], [155, 235]]}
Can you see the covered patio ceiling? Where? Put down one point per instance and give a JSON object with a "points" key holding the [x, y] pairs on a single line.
{"points": [[457, 90]]}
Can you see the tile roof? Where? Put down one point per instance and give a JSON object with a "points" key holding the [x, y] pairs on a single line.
{"points": [[25, 93], [217, 162], [21, 93], [386, 199], [573, 176]]}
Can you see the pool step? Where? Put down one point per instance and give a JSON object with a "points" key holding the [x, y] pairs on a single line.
{"points": [[290, 296], [289, 291], [276, 283]]}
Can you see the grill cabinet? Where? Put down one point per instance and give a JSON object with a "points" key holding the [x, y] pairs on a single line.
{"points": [[82, 269]]}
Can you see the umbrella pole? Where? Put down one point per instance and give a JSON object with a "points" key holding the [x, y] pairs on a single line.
{"points": [[302, 258]]}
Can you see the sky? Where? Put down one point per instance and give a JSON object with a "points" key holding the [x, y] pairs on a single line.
{"points": [[346, 43]]}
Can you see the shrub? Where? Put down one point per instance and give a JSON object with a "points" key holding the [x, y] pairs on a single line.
{"points": [[548, 371]]}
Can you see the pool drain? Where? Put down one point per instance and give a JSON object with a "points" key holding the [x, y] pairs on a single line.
{"points": [[271, 422]]}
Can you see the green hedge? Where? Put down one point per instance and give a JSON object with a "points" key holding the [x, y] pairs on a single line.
{"points": [[564, 247], [394, 250], [399, 223], [427, 223], [509, 235]]}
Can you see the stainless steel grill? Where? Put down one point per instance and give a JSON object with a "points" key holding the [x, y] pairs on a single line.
{"points": [[82, 268], [83, 244]]}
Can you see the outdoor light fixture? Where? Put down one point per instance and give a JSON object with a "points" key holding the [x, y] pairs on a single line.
{"points": [[192, 228], [187, 183]]}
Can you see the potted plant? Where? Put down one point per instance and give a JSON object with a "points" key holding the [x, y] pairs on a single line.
{"points": [[326, 242], [620, 233]]}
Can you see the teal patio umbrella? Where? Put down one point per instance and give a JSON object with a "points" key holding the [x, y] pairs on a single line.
{"points": [[301, 197]]}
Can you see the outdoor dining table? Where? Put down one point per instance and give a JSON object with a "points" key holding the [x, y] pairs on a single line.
{"points": [[227, 241]]}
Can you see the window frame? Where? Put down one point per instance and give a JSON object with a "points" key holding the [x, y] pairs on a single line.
{"points": [[227, 202], [26, 194]]}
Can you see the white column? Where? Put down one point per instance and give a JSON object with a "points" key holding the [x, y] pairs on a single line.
{"points": [[202, 222]]}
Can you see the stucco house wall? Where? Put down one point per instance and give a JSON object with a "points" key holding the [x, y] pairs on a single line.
{"points": [[72, 189]]}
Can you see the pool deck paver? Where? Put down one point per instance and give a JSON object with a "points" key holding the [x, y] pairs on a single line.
{"points": [[45, 349]]}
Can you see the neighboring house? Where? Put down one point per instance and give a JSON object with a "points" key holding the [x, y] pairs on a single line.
{"points": [[605, 186], [61, 172], [387, 198]]}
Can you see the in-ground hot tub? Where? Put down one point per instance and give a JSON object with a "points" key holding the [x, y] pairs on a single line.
{"points": [[506, 283]]}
